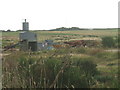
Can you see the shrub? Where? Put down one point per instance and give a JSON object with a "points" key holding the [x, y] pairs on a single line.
{"points": [[88, 67], [29, 69], [80, 50], [108, 42], [117, 41], [103, 79], [52, 67], [94, 51], [72, 76], [107, 55]]}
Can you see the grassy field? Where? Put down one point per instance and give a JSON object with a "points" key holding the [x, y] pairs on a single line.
{"points": [[62, 35], [78, 67]]}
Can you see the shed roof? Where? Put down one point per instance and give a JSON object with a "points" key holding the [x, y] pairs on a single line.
{"points": [[29, 36]]}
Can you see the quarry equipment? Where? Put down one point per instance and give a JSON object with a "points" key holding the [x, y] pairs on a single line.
{"points": [[76, 43], [10, 46], [84, 43], [28, 42], [25, 26], [27, 39]]}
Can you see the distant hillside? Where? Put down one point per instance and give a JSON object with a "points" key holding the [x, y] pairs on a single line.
{"points": [[66, 29], [77, 28]]}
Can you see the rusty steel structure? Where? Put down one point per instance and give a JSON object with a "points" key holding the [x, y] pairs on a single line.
{"points": [[76, 43], [83, 43]]}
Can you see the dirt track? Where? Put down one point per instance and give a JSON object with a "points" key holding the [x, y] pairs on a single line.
{"points": [[113, 50]]}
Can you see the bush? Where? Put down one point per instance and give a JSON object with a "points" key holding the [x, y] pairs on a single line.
{"points": [[29, 69], [80, 50], [108, 42], [73, 76], [88, 67], [94, 51], [107, 55], [117, 41], [52, 67], [103, 79]]}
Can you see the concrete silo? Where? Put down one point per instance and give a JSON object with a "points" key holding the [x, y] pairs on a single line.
{"points": [[25, 26]]}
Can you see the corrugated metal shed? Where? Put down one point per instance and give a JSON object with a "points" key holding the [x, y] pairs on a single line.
{"points": [[29, 36], [28, 41]]}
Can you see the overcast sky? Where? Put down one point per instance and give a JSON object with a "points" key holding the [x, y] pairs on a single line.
{"points": [[50, 14]]}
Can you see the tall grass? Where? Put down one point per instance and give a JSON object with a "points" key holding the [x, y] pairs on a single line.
{"points": [[26, 71], [54, 69]]}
